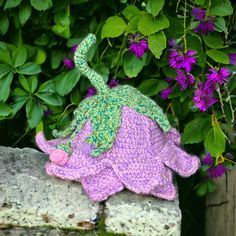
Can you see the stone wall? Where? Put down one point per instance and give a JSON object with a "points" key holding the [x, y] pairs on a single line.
{"points": [[32, 203]]}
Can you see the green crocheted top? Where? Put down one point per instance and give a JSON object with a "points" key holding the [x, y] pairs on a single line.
{"points": [[104, 109]]}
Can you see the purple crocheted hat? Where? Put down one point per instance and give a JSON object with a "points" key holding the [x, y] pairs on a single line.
{"points": [[117, 139]]}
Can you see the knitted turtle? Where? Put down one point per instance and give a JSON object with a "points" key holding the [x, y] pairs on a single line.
{"points": [[118, 138]]}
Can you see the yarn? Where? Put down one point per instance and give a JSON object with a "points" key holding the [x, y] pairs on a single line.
{"points": [[117, 139]]}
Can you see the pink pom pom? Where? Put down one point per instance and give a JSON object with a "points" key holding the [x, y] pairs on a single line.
{"points": [[59, 157]]}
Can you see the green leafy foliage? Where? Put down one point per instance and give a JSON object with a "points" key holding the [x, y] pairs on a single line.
{"points": [[215, 141], [113, 27], [38, 89]]}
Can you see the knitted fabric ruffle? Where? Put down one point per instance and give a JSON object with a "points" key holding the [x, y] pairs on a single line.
{"points": [[141, 159]]}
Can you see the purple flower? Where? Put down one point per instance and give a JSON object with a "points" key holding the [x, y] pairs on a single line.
{"points": [[208, 160], [138, 47], [232, 58], [73, 49], [198, 13], [189, 60], [218, 77], [205, 26], [184, 79], [176, 60], [202, 99], [165, 93], [68, 63], [185, 61], [47, 113], [90, 92], [173, 44], [216, 171], [113, 83]]}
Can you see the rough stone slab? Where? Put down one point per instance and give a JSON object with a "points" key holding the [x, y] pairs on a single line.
{"points": [[30, 198], [136, 215]]}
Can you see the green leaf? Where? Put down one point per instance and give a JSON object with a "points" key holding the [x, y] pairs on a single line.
{"points": [[113, 27], [30, 68], [221, 8], [215, 141], [156, 6], [132, 26], [33, 83], [41, 5], [4, 23], [12, 4], [211, 186], [5, 57], [5, 83], [62, 31], [102, 69], [130, 11], [47, 87], [40, 56], [34, 113], [213, 40], [169, 72], [4, 69], [132, 65], [5, 110], [24, 83], [18, 92], [152, 87], [157, 43], [50, 99], [199, 2], [24, 13], [66, 81], [220, 25], [62, 18], [19, 56], [195, 42], [202, 189], [218, 56], [149, 25], [196, 130], [56, 58]]}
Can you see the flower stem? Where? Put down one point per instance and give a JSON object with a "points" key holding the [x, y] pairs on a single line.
{"points": [[221, 103], [185, 30]]}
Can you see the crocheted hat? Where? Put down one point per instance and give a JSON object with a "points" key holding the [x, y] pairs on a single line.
{"points": [[118, 138]]}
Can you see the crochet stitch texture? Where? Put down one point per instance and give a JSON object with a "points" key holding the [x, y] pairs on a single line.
{"points": [[117, 138]]}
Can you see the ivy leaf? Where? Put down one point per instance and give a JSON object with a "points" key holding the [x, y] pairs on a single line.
{"points": [[34, 113], [5, 83], [30, 68], [215, 141], [156, 6], [24, 13], [221, 8], [66, 81], [132, 65], [5, 110], [132, 26], [218, 56], [4, 22], [152, 87], [157, 43], [19, 56], [130, 11], [41, 5], [200, 2], [196, 130], [12, 4], [213, 40], [113, 27], [149, 25]]}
